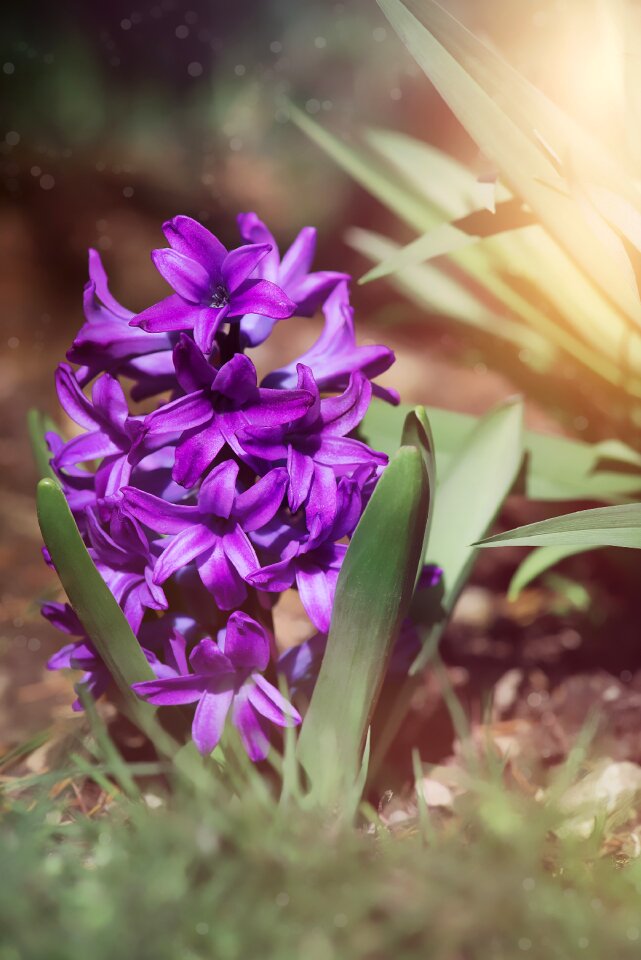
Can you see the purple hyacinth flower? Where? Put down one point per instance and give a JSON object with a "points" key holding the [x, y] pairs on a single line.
{"points": [[315, 447], [125, 560], [213, 533], [211, 284], [110, 429], [335, 356], [81, 654], [291, 274], [218, 405], [107, 342], [313, 561], [226, 675]]}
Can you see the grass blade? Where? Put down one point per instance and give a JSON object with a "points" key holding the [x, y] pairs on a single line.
{"points": [[618, 526]]}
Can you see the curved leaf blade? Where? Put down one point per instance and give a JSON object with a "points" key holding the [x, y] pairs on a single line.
{"points": [[89, 595], [373, 594], [537, 562], [618, 526]]}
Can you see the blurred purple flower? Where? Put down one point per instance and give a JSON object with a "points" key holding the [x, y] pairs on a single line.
{"points": [[291, 274], [211, 284], [226, 676]]}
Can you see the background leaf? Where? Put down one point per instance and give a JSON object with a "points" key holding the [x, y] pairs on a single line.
{"points": [[538, 561], [618, 526]]}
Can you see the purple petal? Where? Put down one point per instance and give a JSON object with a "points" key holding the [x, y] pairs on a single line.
{"points": [[250, 726], [73, 401], [190, 279], [191, 239], [184, 547], [160, 515], [218, 490], [239, 551], [195, 452], [208, 658], [265, 698], [108, 397], [253, 230], [301, 473], [340, 415], [264, 297], [172, 313], [311, 291], [210, 716], [181, 414], [98, 276], [322, 501], [221, 579], [316, 589], [236, 380], [206, 323], [278, 406], [193, 371], [260, 503], [299, 258], [62, 617], [61, 660], [241, 262], [276, 577], [347, 452], [88, 446], [246, 643], [171, 691]]}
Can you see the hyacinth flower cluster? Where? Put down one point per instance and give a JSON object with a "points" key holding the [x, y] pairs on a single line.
{"points": [[202, 491]]}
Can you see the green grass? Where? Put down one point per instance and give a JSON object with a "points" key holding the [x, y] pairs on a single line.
{"points": [[210, 875]]}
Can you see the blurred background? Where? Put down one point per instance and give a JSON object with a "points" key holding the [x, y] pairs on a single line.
{"points": [[119, 115]]}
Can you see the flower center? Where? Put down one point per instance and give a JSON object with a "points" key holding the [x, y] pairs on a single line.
{"points": [[220, 297]]}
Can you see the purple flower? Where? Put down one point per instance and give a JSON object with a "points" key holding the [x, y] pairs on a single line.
{"points": [[211, 284], [81, 655], [291, 274], [107, 342], [110, 429], [313, 561], [213, 533], [335, 356], [216, 406], [125, 560], [226, 675], [315, 447]]}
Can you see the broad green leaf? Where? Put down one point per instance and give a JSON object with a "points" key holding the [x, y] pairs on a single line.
{"points": [[37, 428], [557, 468], [523, 161], [417, 432], [373, 594], [618, 526], [468, 498], [90, 597], [537, 562]]}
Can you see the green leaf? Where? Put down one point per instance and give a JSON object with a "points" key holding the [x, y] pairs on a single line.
{"points": [[537, 562], [373, 594], [468, 499], [417, 432], [37, 427], [618, 526], [90, 597], [510, 140], [557, 468]]}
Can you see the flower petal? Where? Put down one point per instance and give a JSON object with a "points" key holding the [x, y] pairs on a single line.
{"points": [[208, 658], [206, 323], [237, 380], [172, 313], [316, 589], [88, 446], [261, 296], [240, 552], [246, 642], [195, 452], [109, 399], [275, 577], [209, 718], [185, 547], [218, 490], [256, 506], [171, 691], [73, 401], [190, 238], [221, 579], [98, 277], [189, 278], [265, 698], [159, 514], [241, 262], [250, 726]]}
